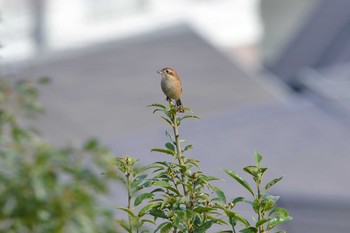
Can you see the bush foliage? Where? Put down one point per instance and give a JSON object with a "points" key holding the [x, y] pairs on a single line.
{"points": [[176, 196], [43, 188]]}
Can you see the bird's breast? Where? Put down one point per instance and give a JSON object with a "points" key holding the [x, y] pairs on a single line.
{"points": [[171, 88]]}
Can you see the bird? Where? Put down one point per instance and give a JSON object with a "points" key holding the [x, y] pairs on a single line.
{"points": [[171, 86]]}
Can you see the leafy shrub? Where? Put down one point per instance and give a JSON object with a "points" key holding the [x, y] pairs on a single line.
{"points": [[42, 188], [176, 196]]}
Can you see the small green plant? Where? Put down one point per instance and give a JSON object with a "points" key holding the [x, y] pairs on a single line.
{"points": [[133, 178], [178, 197], [264, 205], [183, 199]]}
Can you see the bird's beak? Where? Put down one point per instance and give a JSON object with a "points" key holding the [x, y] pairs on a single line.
{"points": [[160, 72]]}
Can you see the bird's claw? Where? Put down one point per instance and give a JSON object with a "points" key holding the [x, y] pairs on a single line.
{"points": [[180, 109]]}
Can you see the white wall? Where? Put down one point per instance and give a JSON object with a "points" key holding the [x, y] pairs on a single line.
{"points": [[72, 23]]}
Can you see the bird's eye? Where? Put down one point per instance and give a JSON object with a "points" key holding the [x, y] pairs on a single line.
{"points": [[167, 71]]}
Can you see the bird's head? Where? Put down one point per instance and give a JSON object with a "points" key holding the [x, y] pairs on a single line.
{"points": [[167, 72]]}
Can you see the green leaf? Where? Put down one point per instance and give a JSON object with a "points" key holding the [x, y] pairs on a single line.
{"points": [[161, 183], [157, 213], [256, 205], [171, 137], [184, 199], [273, 182], [219, 193], [170, 146], [204, 227], [249, 230], [238, 199], [157, 105], [188, 147], [188, 116], [261, 222], [166, 228], [146, 208], [169, 152], [124, 225], [268, 202], [178, 217], [161, 110], [187, 109], [165, 184], [157, 190], [137, 180], [172, 112], [139, 199], [257, 158], [277, 221], [149, 221], [192, 161], [263, 170], [129, 212], [202, 209], [138, 170], [240, 180], [135, 221], [237, 217], [252, 170], [209, 178], [168, 121], [281, 211]]}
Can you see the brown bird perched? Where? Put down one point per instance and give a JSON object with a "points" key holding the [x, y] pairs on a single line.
{"points": [[171, 86]]}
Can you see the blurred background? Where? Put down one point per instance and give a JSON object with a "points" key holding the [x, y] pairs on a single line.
{"points": [[271, 75]]}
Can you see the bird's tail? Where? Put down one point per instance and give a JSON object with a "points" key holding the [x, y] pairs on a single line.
{"points": [[179, 106]]}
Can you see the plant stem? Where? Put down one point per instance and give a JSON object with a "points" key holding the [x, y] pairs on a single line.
{"points": [[129, 198], [173, 178], [177, 142], [178, 148], [261, 229]]}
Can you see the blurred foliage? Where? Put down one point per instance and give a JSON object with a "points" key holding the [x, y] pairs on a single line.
{"points": [[43, 188]]}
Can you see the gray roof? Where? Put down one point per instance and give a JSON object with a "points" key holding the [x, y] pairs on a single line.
{"points": [[316, 59], [323, 40], [102, 91]]}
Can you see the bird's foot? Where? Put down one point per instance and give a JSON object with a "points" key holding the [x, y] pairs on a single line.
{"points": [[180, 108]]}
